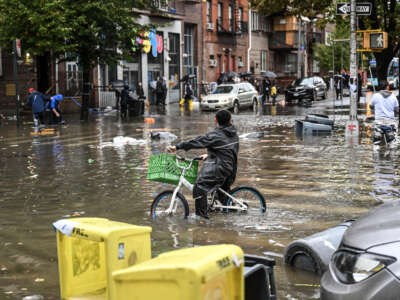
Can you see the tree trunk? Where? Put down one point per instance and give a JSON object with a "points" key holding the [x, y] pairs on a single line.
{"points": [[383, 60], [43, 72], [87, 71]]}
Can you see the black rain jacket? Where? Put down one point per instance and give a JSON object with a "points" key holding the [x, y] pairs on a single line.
{"points": [[221, 165]]}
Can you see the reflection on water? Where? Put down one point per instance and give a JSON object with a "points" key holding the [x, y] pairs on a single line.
{"points": [[309, 185]]}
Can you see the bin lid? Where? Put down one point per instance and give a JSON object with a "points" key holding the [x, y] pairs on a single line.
{"points": [[206, 261], [96, 229]]}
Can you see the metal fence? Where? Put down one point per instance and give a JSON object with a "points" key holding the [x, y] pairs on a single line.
{"points": [[107, 99]]}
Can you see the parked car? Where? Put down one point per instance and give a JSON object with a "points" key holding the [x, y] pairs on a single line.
{"points": [[309, 88], [231, 96], [367, 264]]}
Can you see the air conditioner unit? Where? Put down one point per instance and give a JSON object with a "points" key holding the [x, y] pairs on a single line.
{"points": [[213, 62], [240, 64], [210, 26]]}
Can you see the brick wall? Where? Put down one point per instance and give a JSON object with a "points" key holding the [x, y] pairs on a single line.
{"points": [[225, 48]]}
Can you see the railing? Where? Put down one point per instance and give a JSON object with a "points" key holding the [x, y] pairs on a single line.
{"points": [[242, 27], [107, 99]]}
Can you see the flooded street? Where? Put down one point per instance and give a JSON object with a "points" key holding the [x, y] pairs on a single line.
{"points": [[309, 185]]}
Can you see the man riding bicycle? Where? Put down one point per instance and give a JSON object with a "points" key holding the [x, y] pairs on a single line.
{"points": [[220, 165]]}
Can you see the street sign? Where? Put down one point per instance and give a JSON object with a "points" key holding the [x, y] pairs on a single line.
{"points": [[362, 9]]}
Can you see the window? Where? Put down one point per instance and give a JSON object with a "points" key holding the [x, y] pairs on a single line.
{"points": [[188, 45], [209, 12], [219, 20], [240, 19], [290, 63], [264, 60], [174, 63], [230, 15], [254, 21]]}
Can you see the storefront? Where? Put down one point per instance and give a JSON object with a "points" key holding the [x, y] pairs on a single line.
{"points": [[163, 59]]}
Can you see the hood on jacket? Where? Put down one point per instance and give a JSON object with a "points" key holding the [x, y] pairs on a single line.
{"points": [[229, 130], [385, 94]]}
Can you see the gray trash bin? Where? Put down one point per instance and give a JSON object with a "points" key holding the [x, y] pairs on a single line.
{"points": [[311, 128], [321, 119]]}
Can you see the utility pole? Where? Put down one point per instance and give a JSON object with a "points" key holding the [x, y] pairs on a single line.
{"points": [[299, 49], [352, 126]]}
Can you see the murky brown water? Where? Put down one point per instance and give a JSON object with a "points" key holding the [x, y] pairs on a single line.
{"points": [[309, 186]]}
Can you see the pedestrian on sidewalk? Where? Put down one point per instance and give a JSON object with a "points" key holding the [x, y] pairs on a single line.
{"points": [[187, 98], [159, 91], [274, 93], [36, 101], [164, 90], [266, 89], [124, 101], [339, 87]]}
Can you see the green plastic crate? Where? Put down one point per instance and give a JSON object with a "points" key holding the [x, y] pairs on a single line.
{"points": [[163, 168]]}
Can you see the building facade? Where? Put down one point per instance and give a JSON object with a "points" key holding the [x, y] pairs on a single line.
{"points": [[226, 39], [260, 56]]}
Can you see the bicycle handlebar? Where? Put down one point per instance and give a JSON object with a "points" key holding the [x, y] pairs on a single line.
{"points": [[180, 158]]}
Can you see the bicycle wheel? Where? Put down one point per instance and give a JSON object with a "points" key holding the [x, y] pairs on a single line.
{"points": [[251, 197], [162, 202]]}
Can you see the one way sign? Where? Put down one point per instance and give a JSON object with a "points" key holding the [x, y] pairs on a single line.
{"points": [[362, 9]]}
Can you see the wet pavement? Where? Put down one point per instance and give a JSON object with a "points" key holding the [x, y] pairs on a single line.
{"points": [[309, 185]]}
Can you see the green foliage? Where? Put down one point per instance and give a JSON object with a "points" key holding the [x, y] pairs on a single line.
{"points": [[385, 15], [90, 29], [308, 8], [335, 52]]}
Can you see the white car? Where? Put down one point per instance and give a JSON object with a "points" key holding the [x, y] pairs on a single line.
{"points": [[231, 96]]}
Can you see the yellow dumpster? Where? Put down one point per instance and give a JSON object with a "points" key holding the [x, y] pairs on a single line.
{"points": [[202, 273], [90, 249]]}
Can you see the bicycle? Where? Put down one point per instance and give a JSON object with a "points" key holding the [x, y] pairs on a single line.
{"points": [[173, 202]]}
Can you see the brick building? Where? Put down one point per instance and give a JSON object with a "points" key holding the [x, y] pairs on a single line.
{"points": [[260, 58], [225, 33], [285, 44]]}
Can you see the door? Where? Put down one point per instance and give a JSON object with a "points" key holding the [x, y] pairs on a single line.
{"points": [[243, 95]]}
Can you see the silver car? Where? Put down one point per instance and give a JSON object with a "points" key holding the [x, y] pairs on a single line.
{"points": [[231, 96], [367, 264]]}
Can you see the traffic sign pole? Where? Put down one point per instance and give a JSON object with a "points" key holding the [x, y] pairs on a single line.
{"points": [[352, 126]]}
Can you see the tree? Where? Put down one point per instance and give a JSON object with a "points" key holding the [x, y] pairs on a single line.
{"points": [[93, 31], [385, 15], [334, 52]]}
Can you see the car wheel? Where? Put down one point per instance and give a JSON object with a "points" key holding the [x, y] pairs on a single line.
{"points": [[325, 95], [236, 107]]}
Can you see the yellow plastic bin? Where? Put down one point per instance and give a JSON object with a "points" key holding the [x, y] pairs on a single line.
{"points": [[202, 273], [90, 249]]}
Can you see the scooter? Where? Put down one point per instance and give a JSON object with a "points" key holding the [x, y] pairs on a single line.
{"points": [[384, 135]]}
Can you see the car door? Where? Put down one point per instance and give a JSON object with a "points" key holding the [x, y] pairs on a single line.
{"points": [[242, 94], [251, 93]]}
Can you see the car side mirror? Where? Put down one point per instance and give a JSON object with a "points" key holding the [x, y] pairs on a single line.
{"points": [[241, 91]]}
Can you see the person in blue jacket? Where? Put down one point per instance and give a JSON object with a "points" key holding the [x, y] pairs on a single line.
{"points": [[36, 102], [55, 117]]}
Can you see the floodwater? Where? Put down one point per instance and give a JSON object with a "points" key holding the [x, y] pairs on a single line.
{"points": [[309, 185]]}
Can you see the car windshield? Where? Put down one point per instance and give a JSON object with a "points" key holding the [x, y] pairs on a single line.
{"points": [[303, 82], [225, 89]]}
